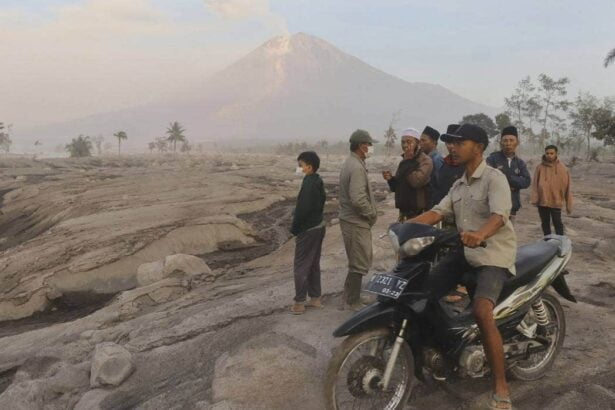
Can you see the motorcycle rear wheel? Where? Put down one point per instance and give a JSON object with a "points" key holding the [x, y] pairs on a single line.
{"points": [[358, 364], [539, 363]]}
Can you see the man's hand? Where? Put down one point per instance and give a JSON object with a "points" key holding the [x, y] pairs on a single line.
{"points": [[408, 154], [387, 175], [472, 239]]}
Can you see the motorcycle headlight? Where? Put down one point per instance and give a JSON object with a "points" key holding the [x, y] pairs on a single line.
{"points": [[414, 246]]}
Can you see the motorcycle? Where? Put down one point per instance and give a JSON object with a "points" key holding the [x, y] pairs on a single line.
{"points": [[407, 337]]}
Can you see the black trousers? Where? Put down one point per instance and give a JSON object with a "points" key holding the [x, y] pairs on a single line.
{"points": [[308, 246], [548, 214]]}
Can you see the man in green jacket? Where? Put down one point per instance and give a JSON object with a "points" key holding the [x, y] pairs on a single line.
{"points": [[357, 216], [309, 228]]}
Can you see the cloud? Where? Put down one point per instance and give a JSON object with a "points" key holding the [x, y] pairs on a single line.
{"points": [[248, 9], [71, 60]]}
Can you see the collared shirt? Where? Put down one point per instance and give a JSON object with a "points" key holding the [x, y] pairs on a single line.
{"points": [[471, 202]]}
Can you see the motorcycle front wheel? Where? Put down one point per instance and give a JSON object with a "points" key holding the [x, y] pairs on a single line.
{"points": [[355, 373]]}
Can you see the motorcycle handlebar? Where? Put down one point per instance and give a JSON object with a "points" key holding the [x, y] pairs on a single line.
{"points": [[456, 236]]}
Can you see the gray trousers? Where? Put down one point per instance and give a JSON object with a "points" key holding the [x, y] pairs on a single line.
{"points": [[308, 246], [358, 244]]}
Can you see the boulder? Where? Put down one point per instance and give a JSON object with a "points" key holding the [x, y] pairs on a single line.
{"points": [[179, 265], [111, 365]]}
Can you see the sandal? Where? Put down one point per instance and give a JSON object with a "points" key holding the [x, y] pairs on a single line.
{"points": [[499, 403]]}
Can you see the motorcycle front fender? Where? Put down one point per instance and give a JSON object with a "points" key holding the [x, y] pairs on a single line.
{"points": [[371, 317]]}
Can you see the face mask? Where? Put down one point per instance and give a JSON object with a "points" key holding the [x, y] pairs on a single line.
{"points": [[298, 171], [370, 151]]}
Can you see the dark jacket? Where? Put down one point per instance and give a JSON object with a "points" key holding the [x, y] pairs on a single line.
{"points": [[310, 204], [517, 175], [411, 185], [437, 161], [448, 174]]}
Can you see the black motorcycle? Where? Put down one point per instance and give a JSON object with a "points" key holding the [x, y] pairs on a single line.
{"points": [[405, 336]]}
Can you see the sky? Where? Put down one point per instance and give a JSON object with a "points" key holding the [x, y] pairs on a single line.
{"points": [[65, 59]]}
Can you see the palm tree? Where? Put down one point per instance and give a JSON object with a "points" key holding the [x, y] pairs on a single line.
{"points": [[610, 58], [176, 134], [120, 135]]}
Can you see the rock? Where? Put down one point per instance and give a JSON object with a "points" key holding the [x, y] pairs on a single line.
{"points": [[148, 273], [179, 265], [23, 396], [92, 400], [111, 365], [335, 221], [134, 301]]}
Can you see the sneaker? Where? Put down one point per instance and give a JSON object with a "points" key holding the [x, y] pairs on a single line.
{"points": [[297, 309], [314, 303]]}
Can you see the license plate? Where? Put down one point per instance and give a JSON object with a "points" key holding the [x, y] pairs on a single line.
{"points": [[386, 285]]}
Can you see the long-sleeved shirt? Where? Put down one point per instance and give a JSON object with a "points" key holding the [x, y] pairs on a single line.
{"points": [[357, 203], [516, 173], [411, 185], [310, 204], [551, 186]]}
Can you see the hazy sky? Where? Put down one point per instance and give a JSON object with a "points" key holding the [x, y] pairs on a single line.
{"points": [[65, 59]]}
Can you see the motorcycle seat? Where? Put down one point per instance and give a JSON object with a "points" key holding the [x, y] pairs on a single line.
{"points": [[531, 259]]}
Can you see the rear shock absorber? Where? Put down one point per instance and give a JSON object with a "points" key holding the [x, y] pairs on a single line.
{"points": [[540, 313]]}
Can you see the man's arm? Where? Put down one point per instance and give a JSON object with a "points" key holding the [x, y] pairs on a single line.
{"points": [[422, 175], [358, 194], [427, 218], [499, 206], [522, 180], [473, 239]]}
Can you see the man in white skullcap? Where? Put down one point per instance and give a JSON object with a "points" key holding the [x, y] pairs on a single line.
{"points": [[411, 180]]}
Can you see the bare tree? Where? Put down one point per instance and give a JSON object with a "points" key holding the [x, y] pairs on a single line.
{"points": [[5, 137], [610, 58], [551, 93], [98, 143]]}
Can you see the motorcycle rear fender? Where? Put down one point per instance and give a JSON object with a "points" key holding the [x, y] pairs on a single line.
{"points": [[370, 317], [560, 285]]}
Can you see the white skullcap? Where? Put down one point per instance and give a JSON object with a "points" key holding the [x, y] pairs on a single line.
{"points": [[411, 132]]}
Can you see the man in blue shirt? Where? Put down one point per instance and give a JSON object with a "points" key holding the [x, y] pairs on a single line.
{"points": [[429, 145], [507, 161]]}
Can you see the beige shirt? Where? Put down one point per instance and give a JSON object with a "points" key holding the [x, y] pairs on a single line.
{"points": [[357, 204], [471, 203]]}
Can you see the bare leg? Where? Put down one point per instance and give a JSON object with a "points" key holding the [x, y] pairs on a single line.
{"points": [[492, 342]]}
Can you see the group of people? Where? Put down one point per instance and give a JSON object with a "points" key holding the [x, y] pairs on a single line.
{"points": [[477, 196]]}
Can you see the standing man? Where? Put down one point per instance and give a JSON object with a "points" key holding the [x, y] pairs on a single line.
{"points": [[357, 216], [507, 161], [429, 145], [450, 171], [550, 189], [480, 203], [411, 180]]}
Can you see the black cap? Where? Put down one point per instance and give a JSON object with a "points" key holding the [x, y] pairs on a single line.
{"points": [[468, 132], [431, 133], [510, 130], [450, 130]]}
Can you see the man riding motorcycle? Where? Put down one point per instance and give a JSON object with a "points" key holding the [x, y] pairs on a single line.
{"points": [[480, 204]]}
